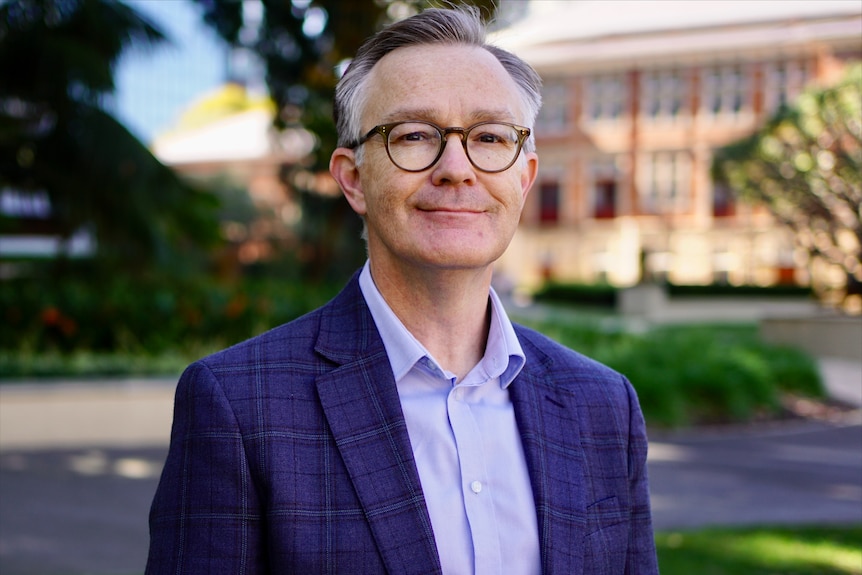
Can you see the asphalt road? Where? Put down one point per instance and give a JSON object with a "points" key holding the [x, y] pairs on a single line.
{"points": [[789, 473], [84, 511]]}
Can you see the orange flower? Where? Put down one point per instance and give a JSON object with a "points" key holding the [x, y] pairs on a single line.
{"points": [[236, 306], [68, 326], [51, 316]]}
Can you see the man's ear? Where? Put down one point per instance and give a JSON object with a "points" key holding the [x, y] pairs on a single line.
{"points": [[529, 173], [342, 166]]}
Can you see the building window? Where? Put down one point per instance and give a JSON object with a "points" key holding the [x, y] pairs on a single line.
{"points": [[663, 94], [554, 114], [605, 97], [605, 205], [725, 90], [605, 180], [784, 81], [722, 201], [665, 183], [549, 202]]}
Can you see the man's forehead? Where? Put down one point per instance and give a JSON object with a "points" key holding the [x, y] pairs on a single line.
{"points": [[427, 82], [418, 58]]}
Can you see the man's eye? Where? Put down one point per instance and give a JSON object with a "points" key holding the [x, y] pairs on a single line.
{"points": [[489, 138], [414, 137]]}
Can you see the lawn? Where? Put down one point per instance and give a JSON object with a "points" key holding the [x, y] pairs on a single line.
{"points": [[762, 551]]}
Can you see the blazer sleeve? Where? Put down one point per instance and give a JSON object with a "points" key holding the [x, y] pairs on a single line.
{"points": [[641, 558], [205, 516]]}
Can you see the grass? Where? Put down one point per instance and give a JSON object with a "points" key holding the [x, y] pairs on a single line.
{"points": [[810, 550]]}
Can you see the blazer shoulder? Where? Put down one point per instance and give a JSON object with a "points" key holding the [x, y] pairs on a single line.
{"points": [[604, 395], [285, 342], [556, 356], [306, 339]]}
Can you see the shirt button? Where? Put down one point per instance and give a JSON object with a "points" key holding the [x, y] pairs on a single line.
{"points": [[459, 394], [476, 487]]}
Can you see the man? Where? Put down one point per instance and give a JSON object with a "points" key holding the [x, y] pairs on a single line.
{"points": [[407, 426]]}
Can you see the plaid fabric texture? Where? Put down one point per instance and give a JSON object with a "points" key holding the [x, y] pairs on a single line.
{"points": [[289, 454]]}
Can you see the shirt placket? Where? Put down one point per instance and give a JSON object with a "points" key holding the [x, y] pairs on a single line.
{"points": [[475, 487]]}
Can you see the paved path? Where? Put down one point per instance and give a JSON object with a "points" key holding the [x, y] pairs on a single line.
{"points": [[76, 512], [789, 473], [109, 413], [843, 379]]}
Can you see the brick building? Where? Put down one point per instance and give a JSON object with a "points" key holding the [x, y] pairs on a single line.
{"points": [[637, 95]]}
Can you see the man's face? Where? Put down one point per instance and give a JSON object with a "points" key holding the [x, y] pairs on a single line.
{"points": [[452, 215]]}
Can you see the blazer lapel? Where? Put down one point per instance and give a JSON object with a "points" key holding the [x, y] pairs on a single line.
{"points": [[548, 424], [361, 405]]}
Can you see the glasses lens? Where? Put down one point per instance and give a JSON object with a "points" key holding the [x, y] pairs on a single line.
{"points": [[414, 145], [492, 147]]}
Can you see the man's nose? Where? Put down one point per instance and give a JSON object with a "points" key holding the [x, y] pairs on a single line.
{"points": [[454, 165]]}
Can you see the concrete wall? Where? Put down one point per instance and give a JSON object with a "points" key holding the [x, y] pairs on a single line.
{"points": [[651, 302], [822, 336]]}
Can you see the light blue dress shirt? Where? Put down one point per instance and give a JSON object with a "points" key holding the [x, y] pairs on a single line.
{"points": [[467, 447]]}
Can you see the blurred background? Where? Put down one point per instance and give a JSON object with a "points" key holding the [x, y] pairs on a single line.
{"points": [[696, 222], [163, 175]]}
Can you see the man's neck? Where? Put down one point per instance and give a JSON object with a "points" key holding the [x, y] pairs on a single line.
{"points": [[447, 311]]}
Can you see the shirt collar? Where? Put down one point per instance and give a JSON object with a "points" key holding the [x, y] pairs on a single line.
{"points": [[504, 357]]}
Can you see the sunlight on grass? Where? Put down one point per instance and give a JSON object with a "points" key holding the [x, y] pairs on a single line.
{"points": [[786, 550], [763, 551]]}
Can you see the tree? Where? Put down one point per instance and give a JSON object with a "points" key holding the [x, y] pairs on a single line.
{"points": [[805, 165], [57, 59]]}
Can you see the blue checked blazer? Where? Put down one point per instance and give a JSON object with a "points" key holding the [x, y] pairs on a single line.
{"points": [[289, 454]]}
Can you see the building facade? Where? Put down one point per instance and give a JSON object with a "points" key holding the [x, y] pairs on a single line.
{"points": [[637, 96]]}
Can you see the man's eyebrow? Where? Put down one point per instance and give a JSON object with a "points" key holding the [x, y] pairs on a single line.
{"points": [[431, 115], [402, 114]]}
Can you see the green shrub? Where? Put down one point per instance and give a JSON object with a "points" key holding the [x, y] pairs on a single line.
{"points": [[688, 375], [607, 296], [792, 370], [683, 378], [146, 315], [23, 364], [600, 295], [724, 290]]}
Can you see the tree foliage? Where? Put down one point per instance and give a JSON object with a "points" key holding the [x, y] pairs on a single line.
{"points": [[303, 42], [57, 61], [805, 165]]}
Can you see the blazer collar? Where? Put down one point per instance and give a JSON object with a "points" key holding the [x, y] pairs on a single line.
{"points": [[361, 405]]}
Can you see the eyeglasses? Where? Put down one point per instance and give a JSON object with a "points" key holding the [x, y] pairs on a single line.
{"points": [[416, 146]]}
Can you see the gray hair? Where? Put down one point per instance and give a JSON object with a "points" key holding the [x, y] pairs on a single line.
{"points": [[440, 26]]}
